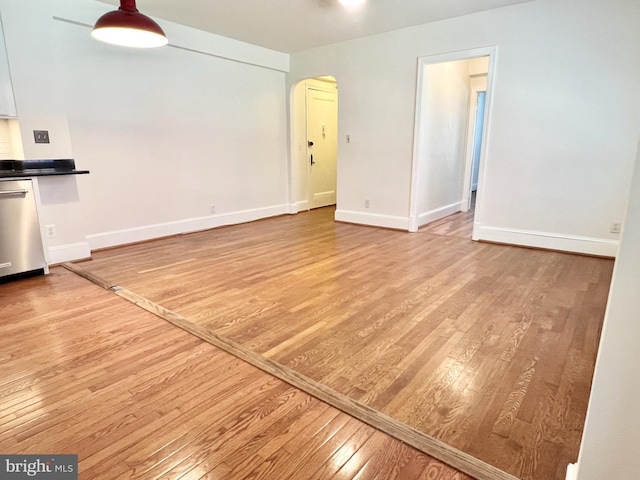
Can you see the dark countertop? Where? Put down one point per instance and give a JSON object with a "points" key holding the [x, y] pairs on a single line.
{"points": [[39, 168]]}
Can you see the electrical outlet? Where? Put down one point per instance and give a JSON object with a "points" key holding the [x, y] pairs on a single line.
{"points": [[41, 136], [615, 227], [366, 203], [212, 209], [51, 231]]}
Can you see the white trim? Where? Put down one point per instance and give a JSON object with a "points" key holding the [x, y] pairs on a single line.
{"points": [[188, 39], [468, 187], [311, 84], [552, 241], [572, 471], [439, 213], [486, 138], [297, 207], [148, 232], [321, 85], [417, 150], [372, 219], [67, 253]]}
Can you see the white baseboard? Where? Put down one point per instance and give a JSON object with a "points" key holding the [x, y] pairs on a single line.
{"points": [[148, 232], [568, 243], [438, 213], [374, 220], [572, 471], [301, 206], [553, 241], [68, 253]]}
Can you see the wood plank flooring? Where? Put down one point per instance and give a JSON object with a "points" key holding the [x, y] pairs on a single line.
{"points": [[457, 225], [487, 348], [86, 372]]}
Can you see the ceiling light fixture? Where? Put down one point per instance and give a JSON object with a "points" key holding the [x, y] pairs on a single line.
{"points": [[127, 27], [351, 3]]}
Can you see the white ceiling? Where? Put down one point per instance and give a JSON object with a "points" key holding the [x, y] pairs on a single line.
{"points": [[294, 25]]}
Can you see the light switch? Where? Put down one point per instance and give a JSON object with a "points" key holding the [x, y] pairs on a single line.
{"points": [[41, 136]]}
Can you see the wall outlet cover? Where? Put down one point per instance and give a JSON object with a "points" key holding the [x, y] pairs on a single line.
{"points": [[41, 136]]}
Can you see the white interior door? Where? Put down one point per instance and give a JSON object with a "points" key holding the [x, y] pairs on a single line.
{"points": [[322, 146]]}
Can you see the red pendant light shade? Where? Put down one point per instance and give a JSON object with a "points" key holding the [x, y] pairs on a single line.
{"points": [[128, 27]]}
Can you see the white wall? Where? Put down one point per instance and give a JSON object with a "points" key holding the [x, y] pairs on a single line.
{"points": [[442, 139], [166, 133], [564, 112], [612, 430]]}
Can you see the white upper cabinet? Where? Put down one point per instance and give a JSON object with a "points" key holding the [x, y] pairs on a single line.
{"points": [[7, 101]]}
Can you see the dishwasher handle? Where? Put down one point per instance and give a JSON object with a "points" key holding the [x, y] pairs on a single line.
{"points": [[13, 192]]}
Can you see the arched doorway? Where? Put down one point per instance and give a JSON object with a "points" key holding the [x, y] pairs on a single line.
{"points": [[314, 143]]}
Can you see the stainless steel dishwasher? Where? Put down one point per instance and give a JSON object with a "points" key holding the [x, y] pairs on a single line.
{"points": [[21, 251]]}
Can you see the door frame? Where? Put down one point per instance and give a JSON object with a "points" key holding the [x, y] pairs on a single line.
{"points": [[298, 164], [319, 87], [471, 134], [419, 160]]}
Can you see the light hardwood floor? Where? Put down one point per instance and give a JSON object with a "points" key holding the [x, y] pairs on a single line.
{"points": [[86, 372], [487, 348]]}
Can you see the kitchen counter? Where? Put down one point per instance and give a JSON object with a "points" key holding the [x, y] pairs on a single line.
{"points": [[38, 168]]}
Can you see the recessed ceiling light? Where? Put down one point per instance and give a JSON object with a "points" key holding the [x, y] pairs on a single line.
{"points": [[351, 3]]}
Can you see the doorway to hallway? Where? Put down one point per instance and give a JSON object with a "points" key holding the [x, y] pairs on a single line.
{"points": [[446, 108], [314, 143], [322, 144]]}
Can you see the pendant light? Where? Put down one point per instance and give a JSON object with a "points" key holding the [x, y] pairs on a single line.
{"points": [[127, 27]]}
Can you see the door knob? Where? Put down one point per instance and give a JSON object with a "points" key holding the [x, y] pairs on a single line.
{"points": [[310, 143]]}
